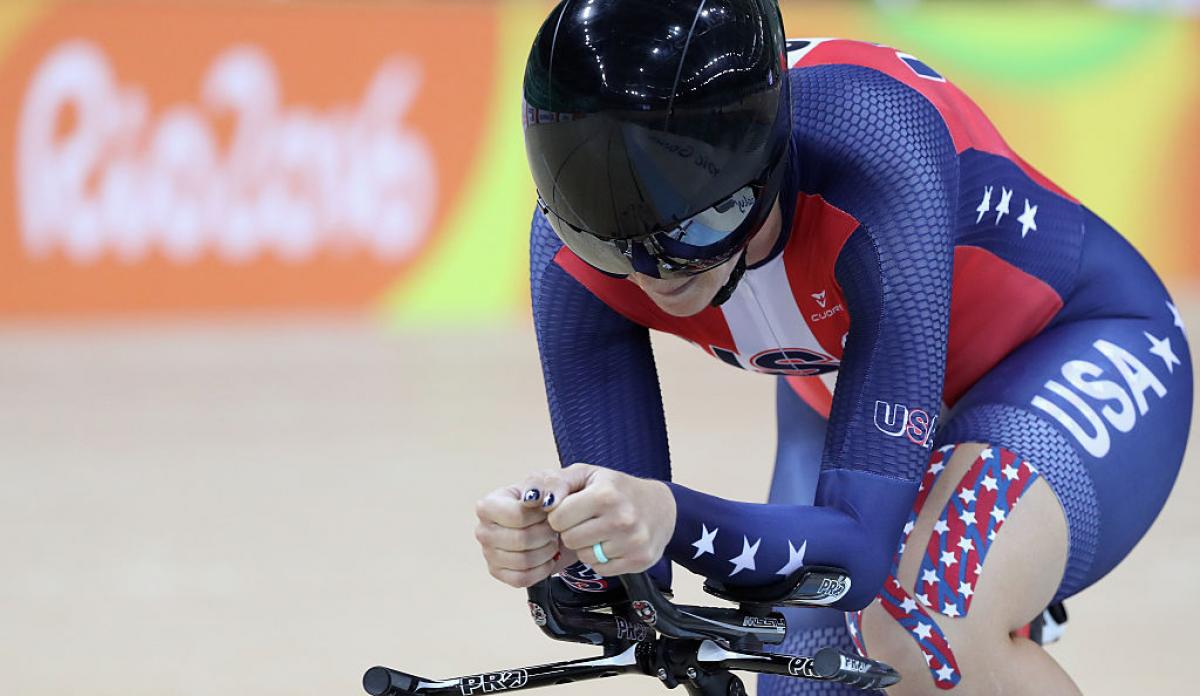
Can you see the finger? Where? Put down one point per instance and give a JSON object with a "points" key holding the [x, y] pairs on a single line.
{"points": [[586, 533], [588, 556], [535, 487], [506, 539], [503, 507], [577, 475], [565, 482], [581, 506], [521, 560], [618, 562], [522, 578]]}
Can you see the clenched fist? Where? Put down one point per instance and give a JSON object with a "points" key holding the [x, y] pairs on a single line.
{"points": [[532, 531]]}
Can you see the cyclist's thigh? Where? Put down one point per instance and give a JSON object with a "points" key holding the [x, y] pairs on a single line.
{"points": [[1102, 408]]}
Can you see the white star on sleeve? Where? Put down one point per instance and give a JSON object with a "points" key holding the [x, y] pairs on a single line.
{"points": [[746, 558], [1010, 473], [987, 454], [946, 673], [908, 605], [965, 589], [989, 482], [998, 515], [966, 544], [923, 630], [985, 205], [1002, 209], [929, 577], [950, 609], [1028, 219], [1175, 315], [967, 517], [795, 559], [704, 544], [948, 558], [1162, 348], [941, 527], [966, 495]]}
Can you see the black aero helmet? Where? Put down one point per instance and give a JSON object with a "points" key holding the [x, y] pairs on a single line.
{"points": [[657, 131]]}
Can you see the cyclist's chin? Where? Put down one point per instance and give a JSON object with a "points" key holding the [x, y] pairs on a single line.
{"points": [[686, 297]]}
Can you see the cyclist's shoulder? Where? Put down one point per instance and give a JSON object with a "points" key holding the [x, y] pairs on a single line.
{"points": [[852, 106], [854, 63]]}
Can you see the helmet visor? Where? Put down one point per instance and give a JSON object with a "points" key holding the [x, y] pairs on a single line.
{"points": [[700, 243]]}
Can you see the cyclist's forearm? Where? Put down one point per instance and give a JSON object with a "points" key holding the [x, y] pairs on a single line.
{"points": [[738, 543]]}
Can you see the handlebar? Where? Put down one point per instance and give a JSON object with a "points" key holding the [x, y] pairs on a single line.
{"points": [[644, 632]]}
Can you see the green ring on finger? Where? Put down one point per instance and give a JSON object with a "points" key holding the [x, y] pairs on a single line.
{"points": [[600, 557]]}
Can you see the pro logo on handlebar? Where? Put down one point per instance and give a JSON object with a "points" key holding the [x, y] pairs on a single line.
{"points": [[645, 612], [493, 681], [802, 667], [631, 631], [832, 589]]}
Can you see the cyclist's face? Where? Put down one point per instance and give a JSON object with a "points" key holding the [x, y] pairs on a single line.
{"points": [[685, 297]]}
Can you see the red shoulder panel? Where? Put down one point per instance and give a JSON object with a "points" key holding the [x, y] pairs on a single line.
{"points": [[969, 126], [983, 329]]}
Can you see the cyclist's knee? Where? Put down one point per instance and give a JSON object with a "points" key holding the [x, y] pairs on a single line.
{"points": [[983, 555]]}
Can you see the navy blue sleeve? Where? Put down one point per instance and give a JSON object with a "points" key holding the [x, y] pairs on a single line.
{"points": [[880, 151], [601, 381]]}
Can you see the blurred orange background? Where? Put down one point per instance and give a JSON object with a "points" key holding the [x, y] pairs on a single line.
{"points": [[364, 156]]}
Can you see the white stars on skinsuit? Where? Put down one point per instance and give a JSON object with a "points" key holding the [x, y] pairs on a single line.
{"points": [[795, 559], [985, 205], [1162, 348], [1028, 219], [705, 543], [1175, 315], [745, 561], [1002, 209]]}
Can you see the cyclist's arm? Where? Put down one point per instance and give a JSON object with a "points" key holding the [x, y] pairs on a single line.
{"points": [[601, 380], [897, 174]]}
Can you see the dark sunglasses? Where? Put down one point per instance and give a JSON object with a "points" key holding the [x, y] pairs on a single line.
{"points": [[698, 244]]}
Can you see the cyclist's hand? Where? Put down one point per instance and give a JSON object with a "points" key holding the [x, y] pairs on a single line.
{"points": [[631, 518], [518, 544]]}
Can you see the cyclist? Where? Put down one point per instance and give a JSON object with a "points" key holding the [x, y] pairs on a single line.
{"points": [[1013, 388]]}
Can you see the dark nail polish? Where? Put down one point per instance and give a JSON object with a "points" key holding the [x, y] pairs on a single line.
{"points": [[532, 494], [549, 500]]}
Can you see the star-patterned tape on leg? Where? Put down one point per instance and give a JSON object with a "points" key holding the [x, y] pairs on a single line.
{"points": [[934, 646], [981, 503], [854, 626], [925, 631], [933, 470]]}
